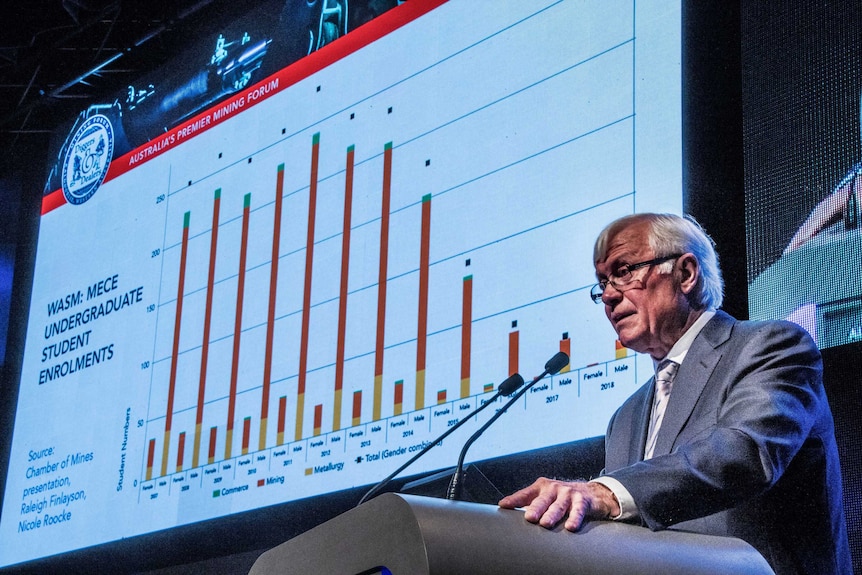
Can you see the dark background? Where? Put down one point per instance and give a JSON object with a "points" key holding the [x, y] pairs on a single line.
{"points": [[802, 85]]}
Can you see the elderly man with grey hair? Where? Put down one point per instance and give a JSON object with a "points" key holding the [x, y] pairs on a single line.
{"points": [[733, 436]]}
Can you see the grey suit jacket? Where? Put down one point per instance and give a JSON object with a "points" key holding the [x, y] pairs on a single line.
{"points": [[746, 449]]}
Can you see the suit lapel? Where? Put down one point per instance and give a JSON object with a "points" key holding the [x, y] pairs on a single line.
{"points": [[691, 379]]}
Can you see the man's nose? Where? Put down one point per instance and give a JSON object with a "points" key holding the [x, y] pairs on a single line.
{"points": [[611, 295]]}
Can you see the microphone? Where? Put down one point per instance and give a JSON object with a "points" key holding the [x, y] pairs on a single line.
{"points": [[508, 386], [553, 365]]}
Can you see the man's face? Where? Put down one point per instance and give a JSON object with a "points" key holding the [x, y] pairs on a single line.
{"points": [[649, 313]]}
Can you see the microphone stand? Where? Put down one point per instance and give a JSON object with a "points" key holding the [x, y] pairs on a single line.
{"points": [[555, 364], [511, 383]]}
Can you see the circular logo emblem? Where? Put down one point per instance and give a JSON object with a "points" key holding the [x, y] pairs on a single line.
{"points": [[87, 159]]}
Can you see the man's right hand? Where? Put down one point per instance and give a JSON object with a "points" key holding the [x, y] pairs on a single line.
{"points": [[549, 501]]}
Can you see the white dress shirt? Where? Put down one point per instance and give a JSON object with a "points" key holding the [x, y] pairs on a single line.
{"points": [[677, 353]]}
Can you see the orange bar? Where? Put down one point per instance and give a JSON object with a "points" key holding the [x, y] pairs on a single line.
{"points": [[422, 327], [342, 293], [176, 346], [306, 297], [441, 396], [270, 318], [237, 328], [181, 448], [381, 280], [566, 347], [318, 418], [514, 339], [399, 397], [205, 345], [466, 334], [212, 447], [621, 351], [246, 433], [151, 454], [357, 407], [282, 408]]}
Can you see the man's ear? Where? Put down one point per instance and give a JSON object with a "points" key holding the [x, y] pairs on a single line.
{"points": [[689, 273]]}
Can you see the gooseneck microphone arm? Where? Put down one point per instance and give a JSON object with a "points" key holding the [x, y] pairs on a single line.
{"points": [[508, 386], [555, 364]]}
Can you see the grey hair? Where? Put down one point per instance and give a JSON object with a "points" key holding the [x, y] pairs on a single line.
{"points": [[672, 234]]}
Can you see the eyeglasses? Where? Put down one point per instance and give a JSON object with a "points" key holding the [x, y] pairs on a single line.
{"points": [[622, 276]]}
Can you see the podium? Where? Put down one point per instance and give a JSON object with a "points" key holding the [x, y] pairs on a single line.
{"points": [[412, 535]]}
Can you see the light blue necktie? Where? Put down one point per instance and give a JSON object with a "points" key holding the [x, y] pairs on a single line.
{"points": [[663, 382]]}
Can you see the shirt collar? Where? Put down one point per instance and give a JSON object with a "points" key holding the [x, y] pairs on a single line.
{"points": [[679, 350]]}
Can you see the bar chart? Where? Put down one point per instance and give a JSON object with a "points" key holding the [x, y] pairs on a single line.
{"points": [[377, 372], [305, 295], [405, 265]]}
